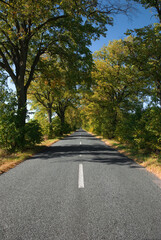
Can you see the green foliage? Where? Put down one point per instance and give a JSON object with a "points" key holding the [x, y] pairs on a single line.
{"points": [[128, 126], [151, 120], [8, 131], [73, 118], [141, 129], [58, 128], [33, 133], [10, 134], [114, 85], [127, 73], [144, 46], [28, 29], [53, 91]]}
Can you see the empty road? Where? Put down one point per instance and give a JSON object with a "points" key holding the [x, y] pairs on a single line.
{"points": [[79, 189]]}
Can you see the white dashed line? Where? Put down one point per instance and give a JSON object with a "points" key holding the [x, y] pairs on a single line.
{"points": [[80, 176]]}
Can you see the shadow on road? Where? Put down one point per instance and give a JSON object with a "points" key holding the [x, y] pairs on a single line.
{"points": [[96, 153]]}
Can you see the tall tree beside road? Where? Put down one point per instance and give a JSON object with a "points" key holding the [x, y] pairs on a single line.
{"points": [[114, 84], [29, 27], [124, 100], [145, 55], [54, 88]]}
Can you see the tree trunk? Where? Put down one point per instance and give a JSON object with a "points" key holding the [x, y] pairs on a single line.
{"points": [[49, 115], [158, 87], [22, 109], [21, 116], [50, 134], [61, 114], [62, 118]]}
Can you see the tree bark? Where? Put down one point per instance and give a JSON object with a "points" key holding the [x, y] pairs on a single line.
{"points": [[158, 89], [22, 109], [21, 116], [61, 114], [49, 110], [62, 118]]}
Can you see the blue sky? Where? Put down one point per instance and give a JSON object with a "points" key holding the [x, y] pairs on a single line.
{"points": [[138, 19]]}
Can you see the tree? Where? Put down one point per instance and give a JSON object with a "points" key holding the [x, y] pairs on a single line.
{"points": [[29, 28], [8, 108], [43, 88], [73, 117], [65, 100], [54, 88], [115, 84], [127, 73], [145, 55]]}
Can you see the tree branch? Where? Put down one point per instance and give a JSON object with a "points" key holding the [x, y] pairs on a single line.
{"points": [[35, 62], [14, 46], [7, 67], [6, 50], [6, 3], [2, 65], [38, 98], [46, 22]]}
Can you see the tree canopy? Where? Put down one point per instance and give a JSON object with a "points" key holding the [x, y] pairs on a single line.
{"points": [[44, 49], [29, 28]]}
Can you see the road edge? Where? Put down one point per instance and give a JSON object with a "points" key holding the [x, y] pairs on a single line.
{"points": [[158, 175]]}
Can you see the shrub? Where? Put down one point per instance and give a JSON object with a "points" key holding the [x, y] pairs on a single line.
{"points": [[126, 128], [58, 129], [143, 130], [9, 134], [33, 133]]}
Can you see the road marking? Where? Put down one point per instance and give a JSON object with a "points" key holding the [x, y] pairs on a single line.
{"points": [[80, 176], [80, 143]]}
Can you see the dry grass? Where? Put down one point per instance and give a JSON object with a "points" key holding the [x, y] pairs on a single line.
{"points": [[152, 162], [8, 160]]}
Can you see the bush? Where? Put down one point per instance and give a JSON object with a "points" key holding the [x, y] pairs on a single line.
{"points": [[58, 129], [141, 130], [126, 128], [33, 133], [152, 122], [11, 136]]}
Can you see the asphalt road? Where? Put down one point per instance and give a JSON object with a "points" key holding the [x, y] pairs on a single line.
{"points": [[79, 189]]}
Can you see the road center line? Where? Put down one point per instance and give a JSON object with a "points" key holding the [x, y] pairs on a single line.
{"points": [[80, 142], [80, 176]]}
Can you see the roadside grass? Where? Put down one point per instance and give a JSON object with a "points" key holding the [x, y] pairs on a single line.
{"points": [[10, 160], [151, 161]]}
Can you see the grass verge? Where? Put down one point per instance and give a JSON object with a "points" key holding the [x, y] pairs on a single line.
{"points": [[152, 161], [10, 160]]}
